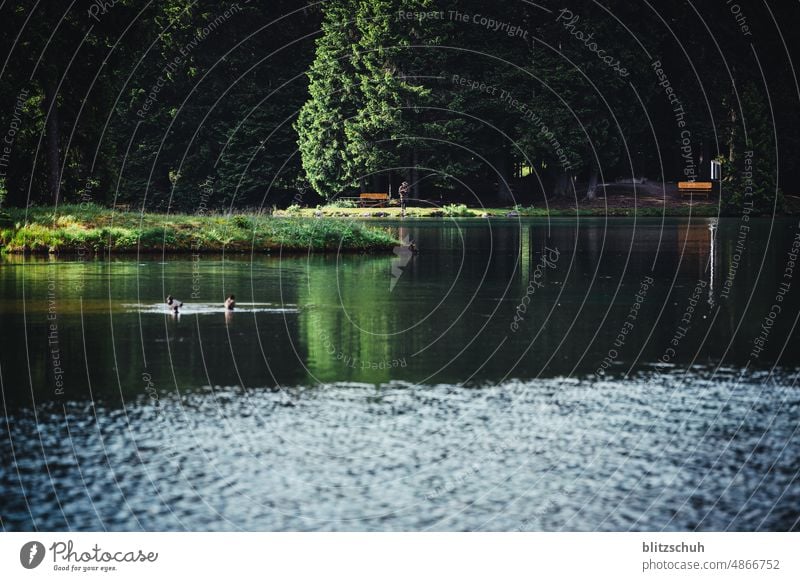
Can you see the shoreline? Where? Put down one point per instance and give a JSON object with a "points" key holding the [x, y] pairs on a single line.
{"points": [[80, 230], [463, 211]]}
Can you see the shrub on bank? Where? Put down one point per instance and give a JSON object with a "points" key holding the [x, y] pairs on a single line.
{"points": [[457, 211], [335, 204]]}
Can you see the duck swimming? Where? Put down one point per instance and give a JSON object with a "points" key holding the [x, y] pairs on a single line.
{"points": [[230, 302], [173, 304]]}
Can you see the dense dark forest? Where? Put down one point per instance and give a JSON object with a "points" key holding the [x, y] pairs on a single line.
{"points": [[181, 103]]}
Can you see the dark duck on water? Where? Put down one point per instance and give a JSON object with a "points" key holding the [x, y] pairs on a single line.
{"points": [[230, 302], [173, 304]]}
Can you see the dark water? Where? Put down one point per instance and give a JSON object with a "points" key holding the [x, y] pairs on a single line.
{"points": [[535, 375]]}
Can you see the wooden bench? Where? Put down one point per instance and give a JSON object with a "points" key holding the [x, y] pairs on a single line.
{"points": [[373, 199], [695, 188], [122, 207]]}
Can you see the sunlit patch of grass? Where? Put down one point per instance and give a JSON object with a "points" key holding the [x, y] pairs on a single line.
{"points": [[41, 231]]}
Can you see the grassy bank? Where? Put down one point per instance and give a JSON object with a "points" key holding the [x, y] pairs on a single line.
{"points": [[90, 228], [462, 211]]}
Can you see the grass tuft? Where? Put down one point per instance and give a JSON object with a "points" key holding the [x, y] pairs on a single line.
{"points": [[457, 211]]}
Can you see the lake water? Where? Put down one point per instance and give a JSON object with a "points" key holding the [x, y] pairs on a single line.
{"points": [[566, 374]]}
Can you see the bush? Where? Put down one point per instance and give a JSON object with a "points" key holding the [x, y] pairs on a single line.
{"points": [[341, 204], [749, 184], [457, 210], [34, 238], [243, 222], [151, 238], [749, 179]]}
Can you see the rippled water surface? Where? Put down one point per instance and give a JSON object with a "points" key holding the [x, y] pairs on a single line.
{"points": [[562, 375]]}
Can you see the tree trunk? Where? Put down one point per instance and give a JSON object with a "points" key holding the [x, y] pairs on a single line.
{"points": [[591, 189], [561, 185], [50, 106]]}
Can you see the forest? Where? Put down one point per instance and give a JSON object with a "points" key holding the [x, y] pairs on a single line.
{"points": [[242, 105]]}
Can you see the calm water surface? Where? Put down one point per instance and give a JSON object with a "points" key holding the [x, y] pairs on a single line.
{"points": [[537, 375]]}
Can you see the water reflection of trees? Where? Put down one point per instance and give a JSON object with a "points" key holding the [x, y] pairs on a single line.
{"points": [[462, 288]]}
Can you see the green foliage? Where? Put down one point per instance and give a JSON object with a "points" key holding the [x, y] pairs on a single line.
{"points": [[186, 94], [198, 102], [341, 204], [333, 99], [360, 112], [129, 232], [749, 178], [243, 222], [457, 211]]}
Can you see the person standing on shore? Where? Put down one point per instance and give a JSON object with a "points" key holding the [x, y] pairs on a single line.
{"points": [[403, 192]]}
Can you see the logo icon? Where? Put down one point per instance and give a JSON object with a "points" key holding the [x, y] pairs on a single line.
{"points": [[31, 554]]}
